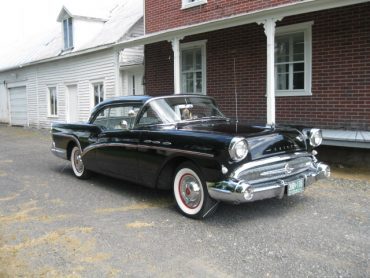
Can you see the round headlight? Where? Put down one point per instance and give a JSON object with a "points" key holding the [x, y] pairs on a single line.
{"points": [[315, 137], [238, 148]]}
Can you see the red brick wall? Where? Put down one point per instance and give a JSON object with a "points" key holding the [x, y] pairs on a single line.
{"points": [[340, 66], [170, 10]]}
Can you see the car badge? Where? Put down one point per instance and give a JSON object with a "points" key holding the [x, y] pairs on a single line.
{"points": [[288, 169]]}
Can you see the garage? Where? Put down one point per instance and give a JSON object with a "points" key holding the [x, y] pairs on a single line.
{"points": [[18, 106]]}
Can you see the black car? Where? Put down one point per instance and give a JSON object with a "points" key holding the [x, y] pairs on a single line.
{"points": [[185, 144]]}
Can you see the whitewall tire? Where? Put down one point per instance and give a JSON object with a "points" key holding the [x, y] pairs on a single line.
{"points": [[191, 193], [78, 166]]}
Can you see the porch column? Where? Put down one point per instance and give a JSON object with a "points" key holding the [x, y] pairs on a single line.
{"points": [[269, 25], [176, 64]]}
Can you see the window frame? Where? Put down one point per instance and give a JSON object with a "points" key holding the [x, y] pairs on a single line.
{"points": [[93, 84], [186, 4], [55, 105], [69, 36], [195, 45], [121, 105], [290, 30]]}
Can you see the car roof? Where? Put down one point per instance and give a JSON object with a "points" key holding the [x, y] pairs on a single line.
{"points": [[138, 99], [141, 99]]}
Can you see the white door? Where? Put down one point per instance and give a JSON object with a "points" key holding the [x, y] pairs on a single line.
{"points": [[18, 106], [135, 82], [72, 100], [4, 113]]}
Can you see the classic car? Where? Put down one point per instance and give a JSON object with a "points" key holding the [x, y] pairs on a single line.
{"points": [[185, 144]]}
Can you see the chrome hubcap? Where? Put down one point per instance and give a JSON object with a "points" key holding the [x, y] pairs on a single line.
{"points": [[78, 162], [190, 191]]}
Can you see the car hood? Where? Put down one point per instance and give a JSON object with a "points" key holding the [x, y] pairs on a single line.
{"points": [[262, 141]]}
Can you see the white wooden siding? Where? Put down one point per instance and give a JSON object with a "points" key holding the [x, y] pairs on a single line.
{"points": [[80, 70]]}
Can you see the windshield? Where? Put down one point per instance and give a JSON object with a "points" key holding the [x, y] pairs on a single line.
{"points": [[177, 109]]}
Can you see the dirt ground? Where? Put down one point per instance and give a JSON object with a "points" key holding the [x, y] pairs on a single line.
{"points": [[54, 225]]}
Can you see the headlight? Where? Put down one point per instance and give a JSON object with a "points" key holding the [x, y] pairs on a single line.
{"points": [[238, 148], [315, 137]]}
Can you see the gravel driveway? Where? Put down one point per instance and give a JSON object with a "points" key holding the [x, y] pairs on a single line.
{"points": [[52, 224]]}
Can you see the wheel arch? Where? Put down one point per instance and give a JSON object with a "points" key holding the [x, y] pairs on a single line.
{"points": [[69, 148], [209, 170]]}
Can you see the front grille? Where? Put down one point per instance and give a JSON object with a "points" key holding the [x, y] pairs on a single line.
{"points": [[275, 171]]}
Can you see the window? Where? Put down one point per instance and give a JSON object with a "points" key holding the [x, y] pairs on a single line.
{"points": [[293, 60], [192, 3], [193, 68], [117, 117], [52, 102], [68, 33], [98, 93]]}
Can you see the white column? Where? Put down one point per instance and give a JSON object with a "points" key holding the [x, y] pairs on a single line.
{"points": [[176, 64], [269, 25], [117, 74]]}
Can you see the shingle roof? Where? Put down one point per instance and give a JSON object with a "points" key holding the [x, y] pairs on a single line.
{"points": [[49, 45]]}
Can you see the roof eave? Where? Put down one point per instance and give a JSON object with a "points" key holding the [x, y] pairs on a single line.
{"points": [[305, 6]]}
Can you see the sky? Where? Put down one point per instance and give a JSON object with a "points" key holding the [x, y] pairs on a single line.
{"points": [[21, 19]]}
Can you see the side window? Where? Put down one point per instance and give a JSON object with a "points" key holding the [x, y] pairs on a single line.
{"points": [[102, 119], [117, 117], [149, 117]]}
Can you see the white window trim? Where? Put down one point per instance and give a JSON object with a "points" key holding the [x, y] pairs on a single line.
{"points": [[196, 44], [92, 96], [187, 5], [48, 101], [306, 28]]}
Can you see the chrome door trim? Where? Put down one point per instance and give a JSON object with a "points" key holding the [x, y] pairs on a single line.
{"points": [[139, 146]]}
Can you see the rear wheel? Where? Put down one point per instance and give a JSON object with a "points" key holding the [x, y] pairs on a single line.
{"points": [[191, 194], [78, 165]]}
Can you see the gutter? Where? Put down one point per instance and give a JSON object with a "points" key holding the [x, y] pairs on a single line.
{"points": [[304, 6]]}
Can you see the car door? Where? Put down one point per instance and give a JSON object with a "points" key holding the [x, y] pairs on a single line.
{"points": [[155, 145], [116, 146]]}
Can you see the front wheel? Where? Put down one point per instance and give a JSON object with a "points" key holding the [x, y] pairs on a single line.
{"points": [[191, 194], [78, 165]]}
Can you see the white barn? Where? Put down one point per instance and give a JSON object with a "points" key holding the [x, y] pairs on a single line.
{"points": [[62, 76]]}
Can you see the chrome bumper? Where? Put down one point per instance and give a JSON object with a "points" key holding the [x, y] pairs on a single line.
{"points": [[239, 191]]}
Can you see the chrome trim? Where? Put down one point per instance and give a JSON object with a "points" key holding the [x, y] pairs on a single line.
{"points": [[175, 150], [257, 163], [61, 153], [233, 142], [313, 131], [239, 191], [103, 145]]}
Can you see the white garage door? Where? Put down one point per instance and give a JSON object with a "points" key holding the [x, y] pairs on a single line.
{"points": [[18, 106]]}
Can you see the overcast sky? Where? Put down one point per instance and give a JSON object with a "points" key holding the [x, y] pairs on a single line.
{"points": [[22, 18]]}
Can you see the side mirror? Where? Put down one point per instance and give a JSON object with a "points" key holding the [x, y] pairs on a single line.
{"points": [[124, 124]]}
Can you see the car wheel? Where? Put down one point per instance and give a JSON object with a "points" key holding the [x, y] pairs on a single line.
{"points": [[78, 165], [191, 192]]}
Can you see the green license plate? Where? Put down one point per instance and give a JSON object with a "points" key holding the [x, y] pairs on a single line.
{"points": [[295, 187]]}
